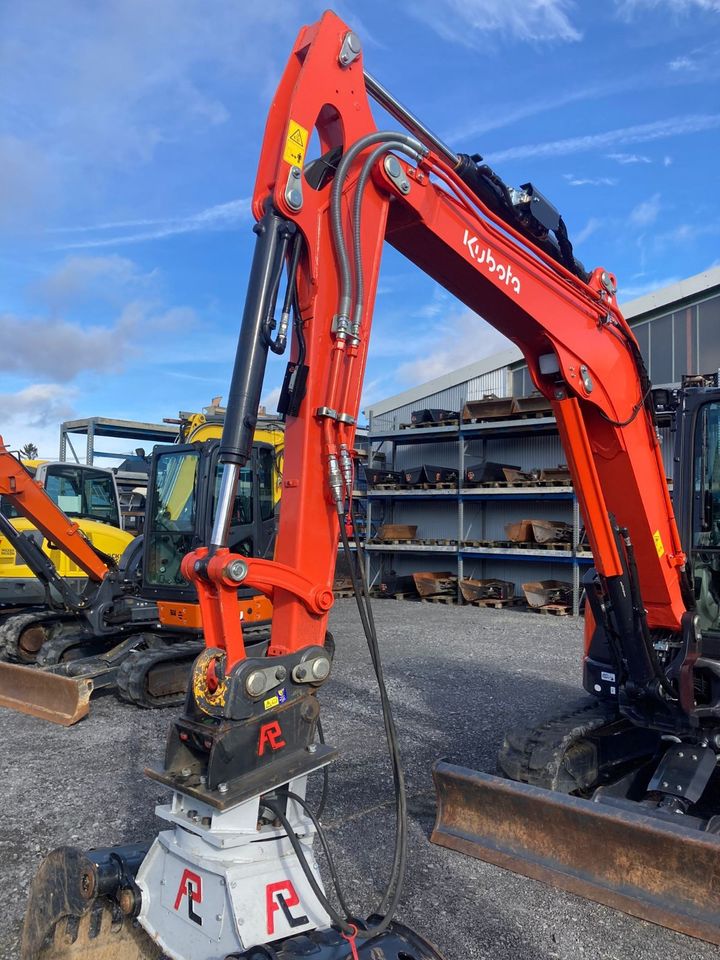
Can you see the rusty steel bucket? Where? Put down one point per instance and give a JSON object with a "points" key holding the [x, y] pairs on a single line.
{"points": [[662, 872], [52, 697]]}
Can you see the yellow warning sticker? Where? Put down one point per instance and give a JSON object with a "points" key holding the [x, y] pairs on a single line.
{"points": [[271, 702], [658, 543], [295, 144]]}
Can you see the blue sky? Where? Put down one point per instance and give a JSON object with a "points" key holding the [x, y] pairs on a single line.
{"points": [[129, 136]]}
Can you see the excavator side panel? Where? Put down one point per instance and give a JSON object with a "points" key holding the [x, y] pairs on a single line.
{"points": [[658, 871]]}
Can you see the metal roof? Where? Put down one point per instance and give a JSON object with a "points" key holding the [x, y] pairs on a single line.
{"points": [[675, 292], [469, 372], [125, 429]]}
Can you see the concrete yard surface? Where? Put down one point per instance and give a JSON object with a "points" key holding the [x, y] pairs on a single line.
{"points": [[457, 677]]}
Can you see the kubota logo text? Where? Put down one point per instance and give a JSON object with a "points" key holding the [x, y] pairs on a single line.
{"points": [[484, 255], [282, 895], [190, 887]]}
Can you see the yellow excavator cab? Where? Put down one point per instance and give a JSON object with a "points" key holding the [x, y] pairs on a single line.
{"points": [[88, 495]]}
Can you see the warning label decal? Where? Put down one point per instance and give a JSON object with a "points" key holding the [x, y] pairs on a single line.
{"points": [[295, 144], [658, 543]]}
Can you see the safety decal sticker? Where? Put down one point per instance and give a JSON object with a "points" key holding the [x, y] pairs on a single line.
{"points": [[607, 676], [658, 543], [295, 144], [276, 700]]}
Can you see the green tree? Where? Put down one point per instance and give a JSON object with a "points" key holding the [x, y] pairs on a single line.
{"points": [[29, 451]]}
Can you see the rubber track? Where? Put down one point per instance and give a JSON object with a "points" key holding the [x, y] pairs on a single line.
{"points": [[536, 755], [52, 651], [11, 629], [132, 674]]}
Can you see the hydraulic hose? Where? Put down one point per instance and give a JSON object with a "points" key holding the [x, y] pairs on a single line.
{"points": [[344, 270]]}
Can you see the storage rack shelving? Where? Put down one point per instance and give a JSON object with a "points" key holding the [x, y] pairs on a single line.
{"points": [[460, 435]]}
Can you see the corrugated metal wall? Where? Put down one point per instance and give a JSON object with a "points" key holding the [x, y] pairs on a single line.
{"points": [[453, 398]]}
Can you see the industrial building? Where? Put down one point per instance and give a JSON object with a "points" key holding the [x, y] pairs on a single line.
{"points": [[677, 330]]}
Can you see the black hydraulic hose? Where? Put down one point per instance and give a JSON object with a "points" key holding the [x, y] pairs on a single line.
{"points": [[296, 798], [365, 173], [392, 893], [279, 343], [296, 843], [345, 274]]}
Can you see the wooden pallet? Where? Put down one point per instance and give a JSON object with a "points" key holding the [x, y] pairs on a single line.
{"points": [[554, 609], [496, 604], [344, 593], [441, 598], [515, 484]]}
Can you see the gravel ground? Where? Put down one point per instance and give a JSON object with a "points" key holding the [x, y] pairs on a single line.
{"points": [[458, 677]]}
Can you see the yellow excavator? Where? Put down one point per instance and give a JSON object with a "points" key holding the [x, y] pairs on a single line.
{"points": [[139, 625]]}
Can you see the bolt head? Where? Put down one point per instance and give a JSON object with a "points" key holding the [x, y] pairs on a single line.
{"points": [[222, 788], [294, 199], [295, 172], [236, 570], [321, 668], [185, 772], [312, 748], [392, 166], [280, 673], [680, 753], [404, 186], [255, 683]]}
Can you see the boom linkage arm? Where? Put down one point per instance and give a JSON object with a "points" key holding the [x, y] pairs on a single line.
{"points": [[580, 351], [28, 497]]}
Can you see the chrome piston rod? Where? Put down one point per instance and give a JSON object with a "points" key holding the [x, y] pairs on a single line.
{"points": [[387, 101]]}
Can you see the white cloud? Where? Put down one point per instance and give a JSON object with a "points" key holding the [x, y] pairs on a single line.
{"points": [[591, 227], [628, 158], [681, 63], [470, 22], [627, 9], [221, 216], [461, 336], [270, 400], [60, 349], [32, 415], [574, 181], [646, 212], [82, 278], [640, 133]]}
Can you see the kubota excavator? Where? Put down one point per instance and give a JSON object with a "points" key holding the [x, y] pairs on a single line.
{"points": [[233, 875]]}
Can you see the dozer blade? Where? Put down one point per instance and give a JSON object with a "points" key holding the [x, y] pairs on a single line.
{"points": [[658, 871], [52, 697]]}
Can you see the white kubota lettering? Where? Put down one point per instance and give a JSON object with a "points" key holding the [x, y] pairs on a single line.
{"points": [[485, 256]]}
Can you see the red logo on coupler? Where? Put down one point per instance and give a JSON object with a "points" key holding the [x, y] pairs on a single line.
{"points": [[270, 736], [282, 894], [190, 887]]}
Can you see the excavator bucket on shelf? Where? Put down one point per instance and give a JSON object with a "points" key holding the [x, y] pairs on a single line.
{"points": [[50, 696], [658, 871]]}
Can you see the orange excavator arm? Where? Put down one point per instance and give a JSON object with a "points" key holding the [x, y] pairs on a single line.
{"points": [[483, 242], [29, 498]]}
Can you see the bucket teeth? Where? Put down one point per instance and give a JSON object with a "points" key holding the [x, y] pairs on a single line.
{"points": [[64, 922]]}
